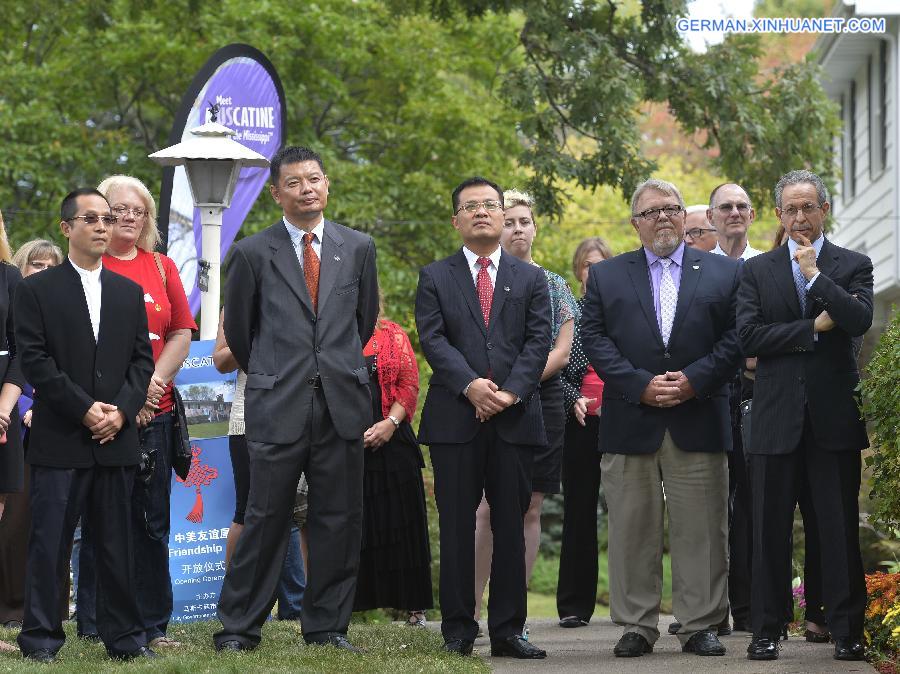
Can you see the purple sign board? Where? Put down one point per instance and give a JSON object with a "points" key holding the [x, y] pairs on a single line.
{"points": [[244, 84]]}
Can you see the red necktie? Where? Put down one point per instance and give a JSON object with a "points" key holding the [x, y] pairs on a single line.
{"points": [[311, 270], [485, 288]]}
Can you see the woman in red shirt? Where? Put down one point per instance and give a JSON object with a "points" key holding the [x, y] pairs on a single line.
{"points": [[131, 254]]}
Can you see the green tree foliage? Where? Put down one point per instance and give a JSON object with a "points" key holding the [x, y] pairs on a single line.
{"points": [[881, 391], [588, 65]]}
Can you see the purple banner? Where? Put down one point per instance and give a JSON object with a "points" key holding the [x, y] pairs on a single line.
{"points": [[247, 93]]}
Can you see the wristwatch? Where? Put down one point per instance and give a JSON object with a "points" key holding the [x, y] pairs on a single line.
{"points": [[394, 420]]}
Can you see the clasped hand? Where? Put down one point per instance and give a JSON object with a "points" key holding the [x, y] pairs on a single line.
{"points": [[668, 390], [488, 399], [104, 421]]}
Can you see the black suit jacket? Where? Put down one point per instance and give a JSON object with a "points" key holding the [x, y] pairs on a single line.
{"points": [[622, 340], [282, 344], [459, 348], [793, 370], [70, 370]]}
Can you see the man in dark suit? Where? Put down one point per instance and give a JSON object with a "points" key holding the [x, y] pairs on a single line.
{"points": [[483, 318], [658, 327], [799, 308], [301, 300], [81, 332]]}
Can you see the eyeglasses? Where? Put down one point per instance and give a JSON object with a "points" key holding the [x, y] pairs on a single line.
{"points": [[92, 219], [697, 232], [653, 213], [472, 206], [727, 207], [122, 211], [791, 211]]}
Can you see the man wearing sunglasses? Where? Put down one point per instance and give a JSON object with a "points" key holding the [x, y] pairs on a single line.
{"points": [[731, 213], [81, 336]]}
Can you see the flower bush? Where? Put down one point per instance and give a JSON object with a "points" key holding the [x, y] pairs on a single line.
{"points": [[882, 626]]}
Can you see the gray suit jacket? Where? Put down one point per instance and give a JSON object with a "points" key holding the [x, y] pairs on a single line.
{"points": [[282, 345]]}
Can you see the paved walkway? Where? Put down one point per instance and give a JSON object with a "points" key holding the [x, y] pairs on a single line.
{"points": [[589, 649]]}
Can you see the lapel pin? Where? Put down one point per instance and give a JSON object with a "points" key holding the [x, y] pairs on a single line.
{"points": [[696, 266], [337, 258], [506, 288]]}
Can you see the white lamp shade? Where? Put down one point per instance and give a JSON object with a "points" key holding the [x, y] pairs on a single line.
{"points": [[212, 180]]}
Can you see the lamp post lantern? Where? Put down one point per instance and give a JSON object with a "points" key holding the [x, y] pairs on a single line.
{"points": [[213, 162]]}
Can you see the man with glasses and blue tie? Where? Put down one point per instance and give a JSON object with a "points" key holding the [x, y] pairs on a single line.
{"points": [[659, 328], [483, 318], [800, 307]]}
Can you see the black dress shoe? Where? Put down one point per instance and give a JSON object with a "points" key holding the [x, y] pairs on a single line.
{"points": [[516, 647], [142, 652], [336, 639], [89, 636], [817, 637], [632, 645], [674, 626], [723, 629], [230, 645], [459, 646], [572, 621], [44, 655], [762, 648], [848, 649], [704, 643], [13, 624]]}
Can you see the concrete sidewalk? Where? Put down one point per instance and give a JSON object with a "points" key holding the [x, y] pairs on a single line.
{"points": [[589, 649]]}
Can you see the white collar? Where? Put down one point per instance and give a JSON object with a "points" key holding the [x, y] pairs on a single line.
{"points": [[472, 258], [749, 251], [318, 230], [90, 274]]}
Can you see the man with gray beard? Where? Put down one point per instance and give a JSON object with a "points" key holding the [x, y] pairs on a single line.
{"points": [[659, 328]]}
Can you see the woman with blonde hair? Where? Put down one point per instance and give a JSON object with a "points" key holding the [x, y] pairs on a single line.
{"points": [[131, 253], [37, 255]]}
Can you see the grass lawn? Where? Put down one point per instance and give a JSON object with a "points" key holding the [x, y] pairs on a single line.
{"points": [[390, 648], [213, 430]]}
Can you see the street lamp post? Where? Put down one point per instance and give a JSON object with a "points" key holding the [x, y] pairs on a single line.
{"points": [[212, 161]]}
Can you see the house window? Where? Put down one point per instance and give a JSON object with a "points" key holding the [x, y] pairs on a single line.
{"points": [[877, 85], [850, 165]]}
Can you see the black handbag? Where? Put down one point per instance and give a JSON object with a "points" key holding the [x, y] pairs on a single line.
{"points": [[181, 443]]}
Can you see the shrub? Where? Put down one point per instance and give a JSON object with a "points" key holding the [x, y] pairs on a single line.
{"points": [[882, 625], [881, 405]]}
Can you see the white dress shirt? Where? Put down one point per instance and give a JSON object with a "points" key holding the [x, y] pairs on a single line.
{"points": [[474, 267], [749, 251], [296, 235], [90, 282]]}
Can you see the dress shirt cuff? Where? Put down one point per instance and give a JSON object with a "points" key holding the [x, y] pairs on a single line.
{"points": [[812, 280]]}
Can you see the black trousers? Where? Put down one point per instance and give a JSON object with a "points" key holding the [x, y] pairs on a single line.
{"points": [[831, 480], [502, 472], [576, 591], [740, 530], [58, 496], [334, 471]]}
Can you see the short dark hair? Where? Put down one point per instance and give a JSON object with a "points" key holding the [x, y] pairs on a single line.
{"points": [[292, 154], [471, 182], [69, 207]]}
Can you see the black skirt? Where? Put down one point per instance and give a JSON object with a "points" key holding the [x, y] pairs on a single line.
{"points": [[395, 560]]}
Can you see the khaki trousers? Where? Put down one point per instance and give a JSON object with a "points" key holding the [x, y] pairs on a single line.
{"points": [[693, 487]]}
